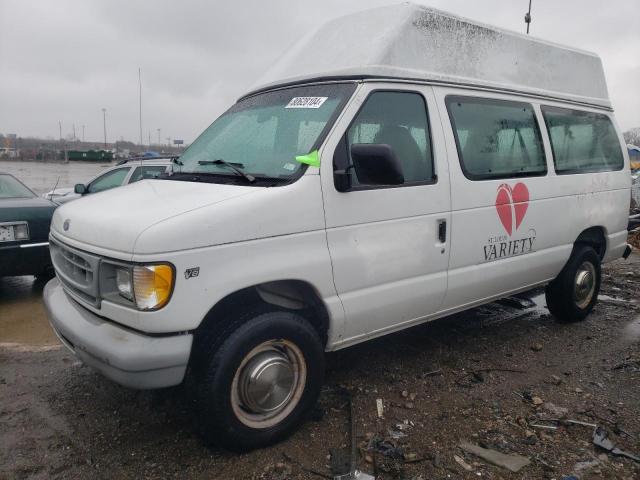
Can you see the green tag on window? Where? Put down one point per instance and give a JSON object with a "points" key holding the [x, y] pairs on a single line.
{"points": [[312, 159]]}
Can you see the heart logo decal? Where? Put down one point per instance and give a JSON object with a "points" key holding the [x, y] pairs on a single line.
{"points": [[511, 205]]}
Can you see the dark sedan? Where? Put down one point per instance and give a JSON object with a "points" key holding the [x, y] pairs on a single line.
{"points": [[25, 219]]}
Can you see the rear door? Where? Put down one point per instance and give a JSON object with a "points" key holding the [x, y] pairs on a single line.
{"points": [[389, 245], [504, 225]]}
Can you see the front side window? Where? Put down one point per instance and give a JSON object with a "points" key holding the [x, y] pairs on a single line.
{"points": [[111, 179], [496, 138], [12, 188], [262, 135], [398, 119], [582, 141]]}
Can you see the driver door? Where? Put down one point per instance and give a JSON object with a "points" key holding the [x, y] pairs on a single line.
{"points": [[389, 245]]}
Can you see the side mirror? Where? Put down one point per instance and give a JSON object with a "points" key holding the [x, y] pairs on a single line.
{"points": [[80, 188], [376, 164]]}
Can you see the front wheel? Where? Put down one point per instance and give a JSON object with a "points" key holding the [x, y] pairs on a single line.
{"points": [[573, 293], [261, 382]]}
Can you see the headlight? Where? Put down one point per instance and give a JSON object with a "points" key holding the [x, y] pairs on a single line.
{"points": [[123, 282], [148, 286]]}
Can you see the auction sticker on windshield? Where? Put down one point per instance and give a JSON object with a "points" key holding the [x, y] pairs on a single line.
{"points": [[306, 102]]}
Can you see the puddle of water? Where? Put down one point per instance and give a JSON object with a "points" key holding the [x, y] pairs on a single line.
{"points": [[612, 299], [540, 304], [22, 316]]}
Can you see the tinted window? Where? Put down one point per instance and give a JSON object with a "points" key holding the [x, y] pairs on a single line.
{"points": [[582, 141], [496, 138], [398, 119], [111, 179], [150, 171]]}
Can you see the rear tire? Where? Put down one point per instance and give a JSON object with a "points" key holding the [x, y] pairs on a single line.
{"points": [[258, 382], [573, 293]]}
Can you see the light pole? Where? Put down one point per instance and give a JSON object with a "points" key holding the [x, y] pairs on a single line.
{"points": [[104, 126], [527, 17], [158, 136]]}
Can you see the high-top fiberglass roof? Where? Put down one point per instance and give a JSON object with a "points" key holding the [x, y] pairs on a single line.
{"points": [[408, 41]]}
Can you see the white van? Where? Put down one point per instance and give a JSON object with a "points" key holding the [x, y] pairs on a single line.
{"points": [[398, 166]]}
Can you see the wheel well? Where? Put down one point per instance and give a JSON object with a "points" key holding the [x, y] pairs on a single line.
{"points": [[286, 294], [594, 237]]}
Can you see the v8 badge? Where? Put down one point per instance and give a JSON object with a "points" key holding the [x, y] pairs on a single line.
{"points": [[191, 272]]}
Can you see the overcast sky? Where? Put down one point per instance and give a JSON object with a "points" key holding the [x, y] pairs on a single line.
{"points": [[65, 60]]}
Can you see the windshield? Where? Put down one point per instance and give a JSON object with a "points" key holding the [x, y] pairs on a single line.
{"points": [[12, 188], [262, 135]]}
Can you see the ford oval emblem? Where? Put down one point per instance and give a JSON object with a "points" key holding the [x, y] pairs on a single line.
{"points": [[66, 224]]}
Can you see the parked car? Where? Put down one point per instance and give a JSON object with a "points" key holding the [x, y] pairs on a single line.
{"points": [[366, 185], [24, 230], [125, 172]]}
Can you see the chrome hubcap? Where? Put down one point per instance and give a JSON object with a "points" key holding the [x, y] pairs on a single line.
{"points": [[585, 284], [268, 383]]}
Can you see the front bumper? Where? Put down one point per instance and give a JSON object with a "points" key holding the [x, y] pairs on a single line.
{"points": [[30, 258], [127, 357]]}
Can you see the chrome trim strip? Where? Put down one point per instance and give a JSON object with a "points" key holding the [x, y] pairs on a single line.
{"points": [[30, 245]]}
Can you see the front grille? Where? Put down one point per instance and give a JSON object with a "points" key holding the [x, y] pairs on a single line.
{"points": [[77, 270]]}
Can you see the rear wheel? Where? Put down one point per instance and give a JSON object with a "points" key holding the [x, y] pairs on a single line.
{"points": [[573, 293], [255, 386]]}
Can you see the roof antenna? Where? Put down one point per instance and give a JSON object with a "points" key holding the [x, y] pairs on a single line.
{"points": [[527, 17]]}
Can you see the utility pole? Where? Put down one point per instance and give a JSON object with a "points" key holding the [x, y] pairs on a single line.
{"points": [[527, 17], [82, 133], [158, 136], [104, 126], [60, 127], [74, 131], [140, 101]]}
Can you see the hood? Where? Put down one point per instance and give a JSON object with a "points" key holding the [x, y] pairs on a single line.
{"points": [[112, 220], [154, 217]]}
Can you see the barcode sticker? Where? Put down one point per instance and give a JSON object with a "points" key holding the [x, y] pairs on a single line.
{"points": [[306, 102]]}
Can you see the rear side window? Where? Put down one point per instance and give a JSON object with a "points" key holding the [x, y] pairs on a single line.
{"points": [[582, 141], [148, 171], [496, 138], [398, 119]]}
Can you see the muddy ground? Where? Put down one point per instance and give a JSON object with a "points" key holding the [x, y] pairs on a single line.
{"points": [[477, 377]]}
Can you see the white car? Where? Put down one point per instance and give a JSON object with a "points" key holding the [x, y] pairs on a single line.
{"points": [[129, 171], [369, 183]]}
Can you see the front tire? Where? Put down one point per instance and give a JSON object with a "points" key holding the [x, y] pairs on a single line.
{"points": [[573, 293], [260, 382]]}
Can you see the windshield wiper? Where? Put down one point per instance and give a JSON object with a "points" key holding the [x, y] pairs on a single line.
{"points": [[236, 167]]}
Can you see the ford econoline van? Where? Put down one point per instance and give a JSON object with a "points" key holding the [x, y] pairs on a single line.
{"points": [[397, 166]]}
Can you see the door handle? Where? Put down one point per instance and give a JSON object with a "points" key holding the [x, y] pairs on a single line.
{"points": [[442, 231]]}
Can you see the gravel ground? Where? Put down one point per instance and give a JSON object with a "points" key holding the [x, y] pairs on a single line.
{"points": [[487, 376]]}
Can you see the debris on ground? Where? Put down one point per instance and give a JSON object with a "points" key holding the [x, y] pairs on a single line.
{"points": [[462, 463], [512, 462], [556, 411], [600, 439]]}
